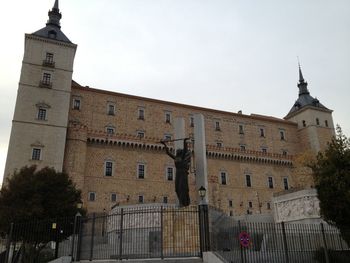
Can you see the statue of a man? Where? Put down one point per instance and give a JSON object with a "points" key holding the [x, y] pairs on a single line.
{"points": [[182, 160]]}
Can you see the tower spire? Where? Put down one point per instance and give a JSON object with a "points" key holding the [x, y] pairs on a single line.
{"points": [[302, 85], [54, 16]]}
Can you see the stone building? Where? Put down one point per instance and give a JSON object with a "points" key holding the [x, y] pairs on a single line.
{"points": [[109, 143]]}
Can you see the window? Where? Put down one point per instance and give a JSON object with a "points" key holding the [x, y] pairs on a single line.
{"points": [[317, 121], [230, 203], [141, 171], [240, 129], [270, 182], [48, 61], [92, 196], [282, 137], [242, 147], [111, 109], [167, 117], [141, 114], [36, 154], [217, 126], [46, 78], [219, 144], [167, 137], [262, 132], [304, 123], [264, 150], [285, 183], [76, 104], [223, 178], [170, 173], [284, 153], [108, 168], [140, 199], [140, 134], [165, 199], [42, 114], [191, 121], [248, 180], [326, 123], [113, 197], [110, 130], [268, 205], [231, 213], [250, 204]]}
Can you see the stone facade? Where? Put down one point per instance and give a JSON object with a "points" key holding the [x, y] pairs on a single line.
{"points": [[109, 143]]}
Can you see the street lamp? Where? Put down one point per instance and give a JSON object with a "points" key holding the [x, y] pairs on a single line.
{"points": [[202, 191]]}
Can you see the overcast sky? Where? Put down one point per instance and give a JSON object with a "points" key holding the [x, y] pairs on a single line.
{"points": [[224, 54]]}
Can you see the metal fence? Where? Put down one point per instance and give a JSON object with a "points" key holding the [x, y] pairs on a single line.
{"points": [[245, 242]]}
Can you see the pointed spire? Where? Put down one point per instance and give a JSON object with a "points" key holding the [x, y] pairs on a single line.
{"points": [[302, 85], [54, 16]]}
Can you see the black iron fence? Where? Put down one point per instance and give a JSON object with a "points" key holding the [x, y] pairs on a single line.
{"points": [[237, 241], [126, 233]]}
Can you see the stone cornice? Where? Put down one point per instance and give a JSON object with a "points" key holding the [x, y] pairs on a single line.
{"points": [[52, 41]]}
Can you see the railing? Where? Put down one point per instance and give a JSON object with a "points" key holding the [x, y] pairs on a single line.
{"points": [[48, 63], [238, 241], [45, 84]]}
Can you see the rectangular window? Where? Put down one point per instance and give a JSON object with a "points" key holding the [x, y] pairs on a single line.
{"points": [[242, 147], [42, 114], [49, 58], [108, 168], [282, 137], [76, 104], [264, 150], [170, 173], [140, 134], [141, 171], [230, 203], [284, 153], [219, 144], [46, 78], [304, 123], [110, 109], [317, 121], [165, 199], [141, 114], [113, 197], [141, 199], [268, 205], [262, 132], [92, 196], [223, 178], [217, 126], [110, 130], [326, 123], [191, 121], [250, 204], [285, 183], [167, 137], [270, 182], [167, 117], [36, 152], [240, 129], [248, 180]]}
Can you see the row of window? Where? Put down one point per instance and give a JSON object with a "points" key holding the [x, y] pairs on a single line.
{"points": [[92, 197], [248, 181], [317, 120], [168, 118], [250, 204]]}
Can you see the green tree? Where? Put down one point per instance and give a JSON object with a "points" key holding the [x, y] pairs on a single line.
{"points": [[41, 204], [332, 179]]}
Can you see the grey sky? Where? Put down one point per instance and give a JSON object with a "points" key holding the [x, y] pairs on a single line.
{"points": [[228, 55]]}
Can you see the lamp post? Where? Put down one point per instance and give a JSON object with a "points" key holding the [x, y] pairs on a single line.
{"points": [[76, 227], [203, 221]]}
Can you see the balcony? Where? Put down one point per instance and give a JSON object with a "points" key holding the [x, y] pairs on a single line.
{"points": [[45, 84], [48, 63]]}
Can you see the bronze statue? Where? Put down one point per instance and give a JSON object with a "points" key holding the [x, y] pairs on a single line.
{"points": [[182, 161]]}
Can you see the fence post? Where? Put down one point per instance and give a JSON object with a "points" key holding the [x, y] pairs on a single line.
{"points": [[203, 228], [121, 234], [285, 247], [8, 243], [161, 233], [92, 236], [325, 244]]}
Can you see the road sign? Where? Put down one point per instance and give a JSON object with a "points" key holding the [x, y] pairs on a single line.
{"points": [[244, 239]]}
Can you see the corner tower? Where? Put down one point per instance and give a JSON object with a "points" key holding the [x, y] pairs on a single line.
{"points": [[40, 120], [315, 122]]}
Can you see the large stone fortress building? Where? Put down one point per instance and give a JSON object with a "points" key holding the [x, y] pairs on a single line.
{"points": [[109, 143]]}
